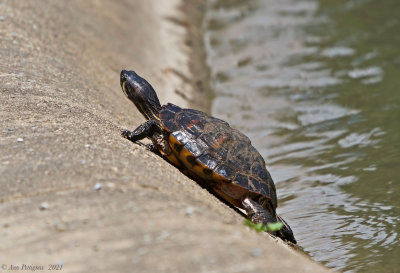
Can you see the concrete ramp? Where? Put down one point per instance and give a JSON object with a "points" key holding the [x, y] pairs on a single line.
{"points": [[72, 191]]}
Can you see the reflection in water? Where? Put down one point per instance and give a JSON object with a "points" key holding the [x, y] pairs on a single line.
{"points": [[315, 86]]}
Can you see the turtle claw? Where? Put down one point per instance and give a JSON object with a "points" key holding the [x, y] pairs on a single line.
{"points": [[126, 133], [150, 146]]}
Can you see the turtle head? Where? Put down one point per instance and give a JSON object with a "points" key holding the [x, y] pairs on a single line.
{"points": [[141, 93]]}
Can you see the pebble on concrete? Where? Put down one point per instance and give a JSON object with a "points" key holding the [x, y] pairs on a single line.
{"points": [[44, 206], [98, 186]]}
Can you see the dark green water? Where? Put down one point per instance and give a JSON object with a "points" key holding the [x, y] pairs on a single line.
{"points": [[316, 86]]}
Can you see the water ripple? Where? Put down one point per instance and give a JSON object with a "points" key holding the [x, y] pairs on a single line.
{"points": [[307, 88]]}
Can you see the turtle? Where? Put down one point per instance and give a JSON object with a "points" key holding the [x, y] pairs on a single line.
{"points": [[207, 149]]}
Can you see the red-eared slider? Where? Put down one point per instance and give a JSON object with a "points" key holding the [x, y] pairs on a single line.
{"points": [[207, 149]]}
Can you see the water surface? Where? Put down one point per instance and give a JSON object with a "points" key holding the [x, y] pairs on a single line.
{"points": [[316, 86]]}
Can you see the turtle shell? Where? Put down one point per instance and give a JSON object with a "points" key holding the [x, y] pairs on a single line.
{"points": [[218, 155]]}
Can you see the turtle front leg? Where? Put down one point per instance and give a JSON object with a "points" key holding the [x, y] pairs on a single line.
{"points": [[146, 129], [256, 213]]}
